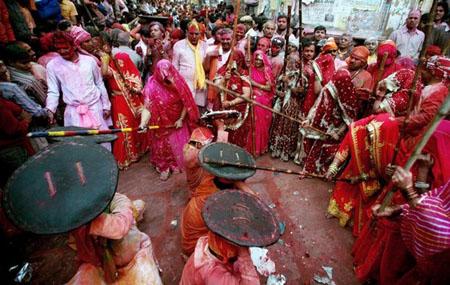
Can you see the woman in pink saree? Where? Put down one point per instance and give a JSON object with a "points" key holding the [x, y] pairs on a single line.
{"points": [[263, 83], [172, 108]]}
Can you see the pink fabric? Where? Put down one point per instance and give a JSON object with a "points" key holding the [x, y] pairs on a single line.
{"points": [[438, 147], [87, 119], [79, 35], [165, 103], [46, 58], [203, 268], [262, 117], [426, 228]]}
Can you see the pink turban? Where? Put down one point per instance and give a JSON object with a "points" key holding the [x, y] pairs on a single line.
{"points": [[79, 35]]}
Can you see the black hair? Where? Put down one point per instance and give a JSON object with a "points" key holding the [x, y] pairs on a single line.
{"points": [[281, 16], [14, 52], [320, 28], [444, 6], [307, 42], [230, 7], [145, 31]]}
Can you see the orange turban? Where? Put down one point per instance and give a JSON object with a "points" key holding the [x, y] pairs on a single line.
{"points": [[361, 53], [329, 45], [222, 247]]}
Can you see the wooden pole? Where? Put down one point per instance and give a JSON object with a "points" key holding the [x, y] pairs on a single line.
{"points": [[443, 111], [92, 132], [271, 169], [235, 94]]}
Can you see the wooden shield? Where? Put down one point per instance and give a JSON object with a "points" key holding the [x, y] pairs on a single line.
{"points": [[241, 218], [61, 188], [212, 155]]}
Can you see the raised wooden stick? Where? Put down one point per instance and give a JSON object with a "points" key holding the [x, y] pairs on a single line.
{"points": [[235, 94], [86, 132], [443, 111]]}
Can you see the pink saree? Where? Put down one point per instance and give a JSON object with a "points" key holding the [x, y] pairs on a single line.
{"points": [[166, 101], [262, 117]]}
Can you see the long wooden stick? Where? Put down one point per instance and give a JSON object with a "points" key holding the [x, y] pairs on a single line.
{"points": [[271, 169], [443, 111], [286, 39], [235, 94], [92, 132], [252, 108]]}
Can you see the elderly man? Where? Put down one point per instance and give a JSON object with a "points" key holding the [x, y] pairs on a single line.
{"points": [[123, 39], [408, 38], [79, 79], [268, 31], [188, 56]]}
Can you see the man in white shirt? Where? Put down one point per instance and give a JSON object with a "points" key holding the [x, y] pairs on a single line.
{"points": [[188, 56], [408, 38]]}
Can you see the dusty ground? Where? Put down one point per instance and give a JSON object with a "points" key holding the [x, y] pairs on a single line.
{"points": [[309, 242]]}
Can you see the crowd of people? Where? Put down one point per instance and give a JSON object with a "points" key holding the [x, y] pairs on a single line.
{"points": [[338, 109]]}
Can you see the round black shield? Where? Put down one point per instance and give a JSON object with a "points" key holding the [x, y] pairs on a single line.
{"points": [[61, 188], [104, 138], [227, 160], [241, 218]]}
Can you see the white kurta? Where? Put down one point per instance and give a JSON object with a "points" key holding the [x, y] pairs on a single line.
{"points": [[184, 61], [83, 92]]}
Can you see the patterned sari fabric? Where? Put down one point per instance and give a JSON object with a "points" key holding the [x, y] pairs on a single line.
{"points": [[336, 107], [310, 96], [166, 102], [367, 148], [263, 117], [395, 101], [284, 132], [126, 106], [240, 128]]}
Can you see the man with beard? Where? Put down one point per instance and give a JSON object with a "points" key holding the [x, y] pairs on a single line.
{"points": [[362, 80], [188, 56], [81, 83]]}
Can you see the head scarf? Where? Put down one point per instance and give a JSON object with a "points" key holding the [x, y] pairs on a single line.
{"points": [[266, 41], [268, 74], [79, 35], [324, 67], [395, 101], [156, 87], [406, 62], [202, 135], [388, 47], [222, 247], [439, 66]]}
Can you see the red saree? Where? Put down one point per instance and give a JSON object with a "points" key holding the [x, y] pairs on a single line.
{"points": [[336, 107], [380, 133], [126, 104], [238, 129], [166, 102]]}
